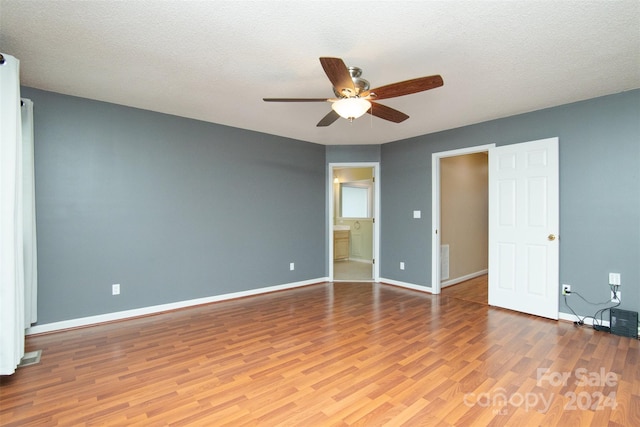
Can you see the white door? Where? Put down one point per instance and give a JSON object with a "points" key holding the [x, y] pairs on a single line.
{"points": [[523, 227]]}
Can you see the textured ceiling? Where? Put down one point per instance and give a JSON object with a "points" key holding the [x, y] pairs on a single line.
{"points": [[216, 60]]}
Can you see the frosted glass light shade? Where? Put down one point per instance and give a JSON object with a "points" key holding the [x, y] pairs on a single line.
{"points": [[351, 108]]}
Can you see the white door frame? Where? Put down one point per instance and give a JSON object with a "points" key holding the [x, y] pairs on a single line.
{"points": [[435, 207], [376, 213]]}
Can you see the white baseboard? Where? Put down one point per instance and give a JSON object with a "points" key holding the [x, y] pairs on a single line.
{"points": [[145, 311], [406, 285], [464, 278]]}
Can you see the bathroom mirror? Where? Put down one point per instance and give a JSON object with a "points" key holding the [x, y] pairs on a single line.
{"points": [[355, 200]]}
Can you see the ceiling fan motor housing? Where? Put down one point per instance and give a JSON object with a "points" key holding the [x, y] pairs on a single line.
{"points": [[361, 85]]}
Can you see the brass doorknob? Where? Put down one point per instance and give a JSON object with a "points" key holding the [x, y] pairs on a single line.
{"points": [[552, 237]]}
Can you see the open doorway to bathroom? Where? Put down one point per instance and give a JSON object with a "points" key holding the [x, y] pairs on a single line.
{"points": [[353, 230]]}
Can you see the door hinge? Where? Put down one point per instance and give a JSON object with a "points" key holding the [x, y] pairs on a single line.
{"points": [[373, 261], [373, 220]]}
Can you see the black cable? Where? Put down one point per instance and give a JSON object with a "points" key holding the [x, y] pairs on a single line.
{"points": [[580, 321], [589, 302], [596, 325], [600, 327]]}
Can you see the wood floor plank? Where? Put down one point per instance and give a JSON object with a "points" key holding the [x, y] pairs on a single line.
{"points": [[342, 354]]}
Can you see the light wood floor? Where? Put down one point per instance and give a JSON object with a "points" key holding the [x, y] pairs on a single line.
{"points": [[339, 354], [352, 271], [474, 290]]}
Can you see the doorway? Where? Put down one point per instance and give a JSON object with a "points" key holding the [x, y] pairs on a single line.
{"points": [[464, 223], [452, 261], [352, 228]]}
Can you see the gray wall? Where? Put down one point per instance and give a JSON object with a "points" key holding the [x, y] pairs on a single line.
{"points": [[175, 209], [599, 194], [352, 153], [172, 209]]}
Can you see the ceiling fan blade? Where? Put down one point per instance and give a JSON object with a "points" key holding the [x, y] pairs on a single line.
{"points": [[331, 117], [406, 87], [296, 99], [387, 113], [339, 75]]}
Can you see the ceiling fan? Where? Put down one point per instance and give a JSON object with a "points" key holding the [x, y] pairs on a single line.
{"points": [[354, 98]]}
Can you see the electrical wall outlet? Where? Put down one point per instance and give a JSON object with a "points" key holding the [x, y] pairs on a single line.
{"points": [[617, 297], [566, 289], [401, 265], [115, 289], [614, 279], [292, 266]]}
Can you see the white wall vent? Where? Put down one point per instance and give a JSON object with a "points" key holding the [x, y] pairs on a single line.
{"points": [[444, 262]]}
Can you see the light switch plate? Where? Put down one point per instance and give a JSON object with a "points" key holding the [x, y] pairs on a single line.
{"points": [[417, 214]]}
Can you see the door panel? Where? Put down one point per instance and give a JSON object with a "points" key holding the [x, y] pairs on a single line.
{"points": [[523, 212]]}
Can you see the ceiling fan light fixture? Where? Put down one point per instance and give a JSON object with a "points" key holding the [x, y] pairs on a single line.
{"points": [[351, 108], [354, 98]]}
